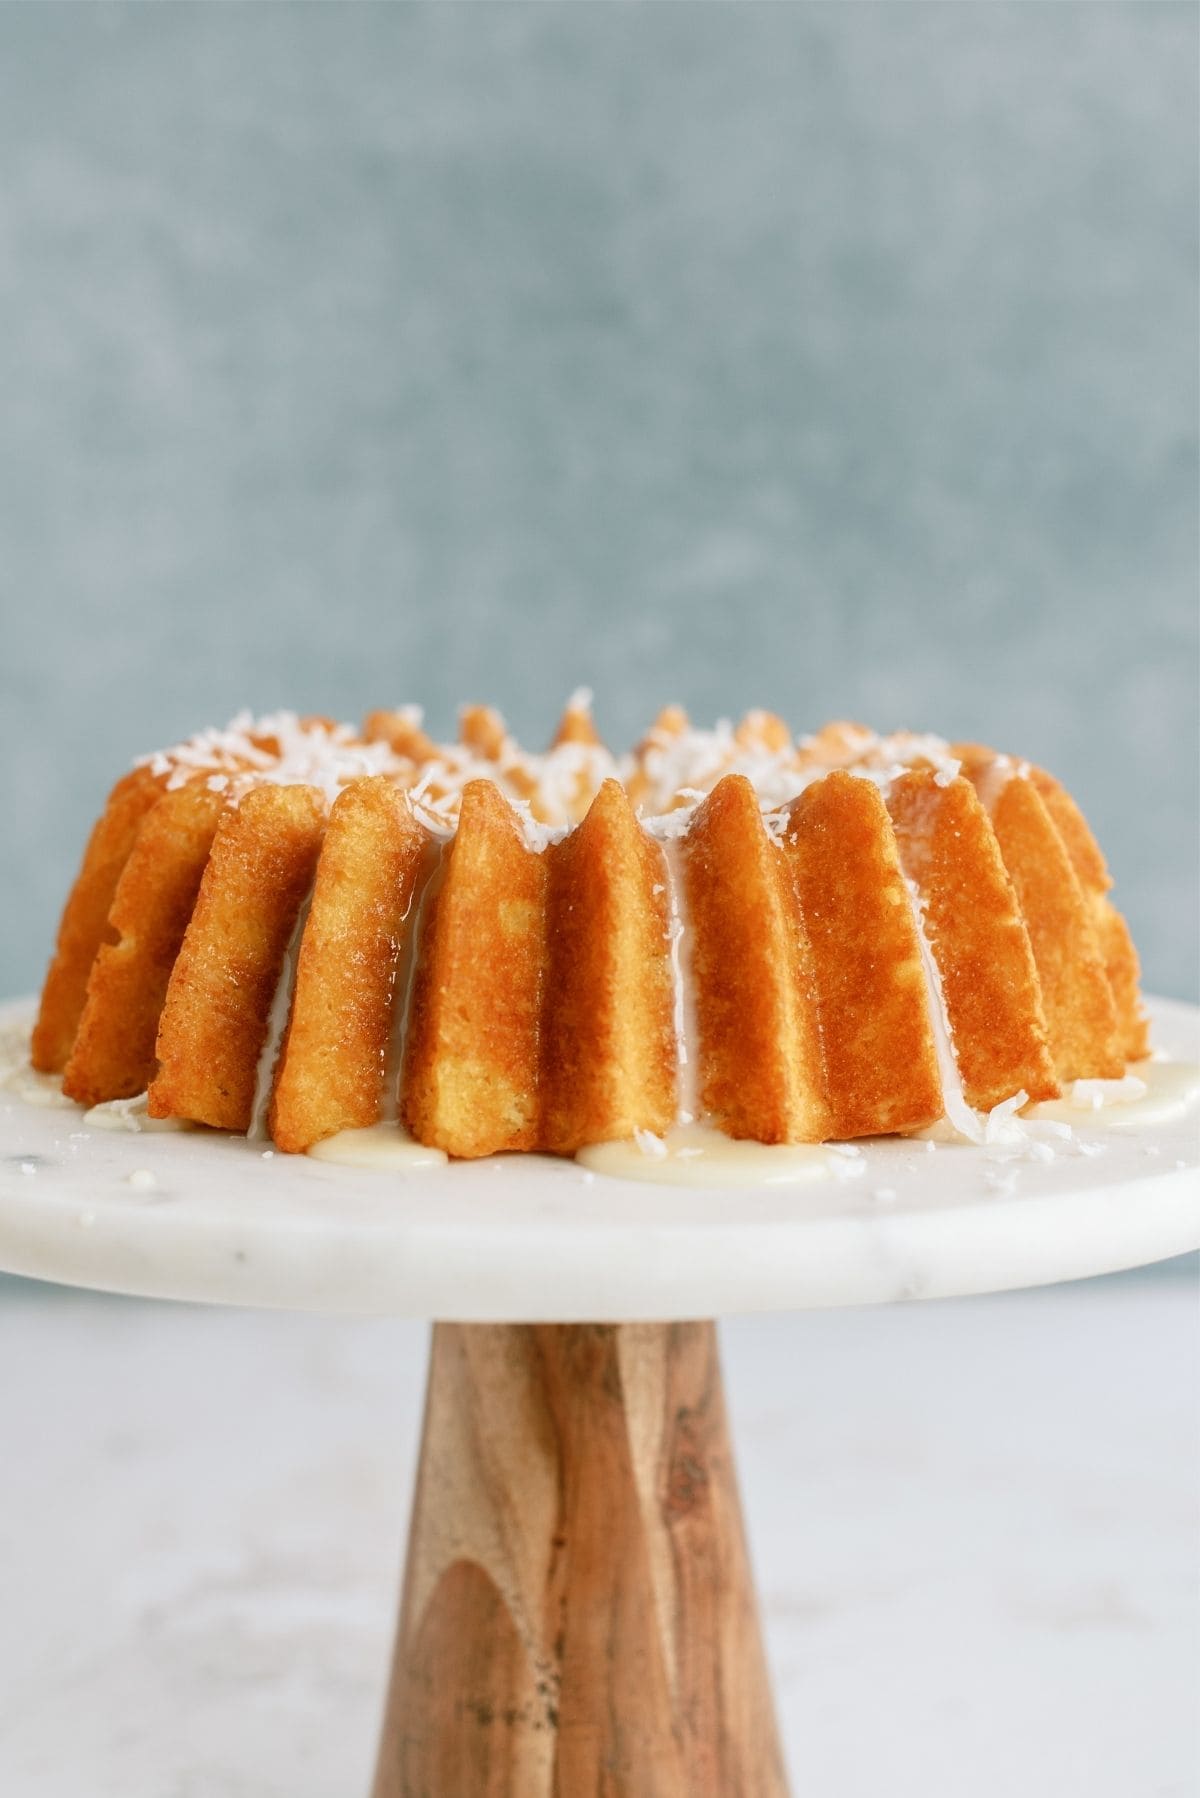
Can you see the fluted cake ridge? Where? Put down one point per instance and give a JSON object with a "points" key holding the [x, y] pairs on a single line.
{"points": [[294, 927]]}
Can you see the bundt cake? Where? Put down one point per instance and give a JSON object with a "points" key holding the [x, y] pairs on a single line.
{"points": [[291, 928]]}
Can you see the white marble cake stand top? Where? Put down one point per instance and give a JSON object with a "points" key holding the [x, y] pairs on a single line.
{"points": [[201, 1216]]}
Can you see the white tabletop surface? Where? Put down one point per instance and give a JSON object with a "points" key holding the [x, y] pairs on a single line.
{"points": [[201, 1215], [973, 1524]]}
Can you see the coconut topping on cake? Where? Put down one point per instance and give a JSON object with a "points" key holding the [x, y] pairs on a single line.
{"points": [[787, 940], [280, 748], [667, 776]]}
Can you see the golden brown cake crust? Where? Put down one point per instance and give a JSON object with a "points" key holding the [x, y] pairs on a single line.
{"points": [[1080, 1010], [792, 939], [608, 1043], [979, 939], [1116, 944], [334, 1057], [880, 1057], [472, 1064], [761, 1074], [214, 1021], [85, 917], [113, 1055]]}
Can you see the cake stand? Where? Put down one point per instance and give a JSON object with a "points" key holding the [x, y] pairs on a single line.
{"points": [[578, 1615]]}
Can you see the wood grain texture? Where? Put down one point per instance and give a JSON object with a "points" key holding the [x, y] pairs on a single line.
{"points": [[578, 1618]]}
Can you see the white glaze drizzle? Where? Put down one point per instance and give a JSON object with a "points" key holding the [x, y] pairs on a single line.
{"points": [[687, 1035], [430, 875], [277, 1019], [673, 767], [961, 1118], [960, 1122]]}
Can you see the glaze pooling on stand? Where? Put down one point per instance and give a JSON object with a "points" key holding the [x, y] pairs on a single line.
{"points": [[526, 1236], [697, 1155], [129, 1114], [690, 1155], [25, 1083], [387, 1146], [1158, 1092]]}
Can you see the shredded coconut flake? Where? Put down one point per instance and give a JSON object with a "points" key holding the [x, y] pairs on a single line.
{"points": [[688, 764], [669, 775], [1002, 1123], [242, 756], [650, 1144]]}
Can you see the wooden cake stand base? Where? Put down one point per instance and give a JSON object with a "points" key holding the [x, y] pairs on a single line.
{"points": [[579, 1615]]}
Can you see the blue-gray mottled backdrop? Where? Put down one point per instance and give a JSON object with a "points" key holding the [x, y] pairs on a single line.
{"points": [[835, 358]]}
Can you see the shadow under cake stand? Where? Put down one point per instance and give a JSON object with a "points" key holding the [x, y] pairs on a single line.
{"points": [[578, 1614]]}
